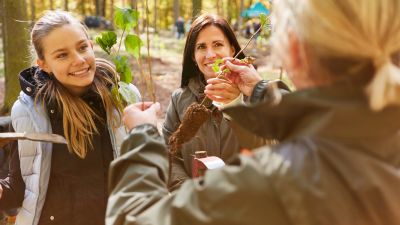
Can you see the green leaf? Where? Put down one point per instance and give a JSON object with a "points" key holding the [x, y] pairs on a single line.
{"points": [[127, 94], [133, 45], [216, 64], [126, 18], [116, 98], [107, 40], [122, 66], [263, 19]]}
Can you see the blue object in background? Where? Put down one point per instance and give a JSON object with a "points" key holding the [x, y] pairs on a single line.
{"points": [[255, 10]]}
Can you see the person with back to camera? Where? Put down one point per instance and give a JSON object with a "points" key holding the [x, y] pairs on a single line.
{"points": [[69, 94], [339, 153], [209, 39]]}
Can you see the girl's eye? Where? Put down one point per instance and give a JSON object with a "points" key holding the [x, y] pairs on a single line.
{"points": [[218, 44], [61, 56], [83, 47]]}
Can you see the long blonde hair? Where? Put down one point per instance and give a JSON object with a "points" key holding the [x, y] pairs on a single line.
{"points": [[78, 117], [363, 33]]}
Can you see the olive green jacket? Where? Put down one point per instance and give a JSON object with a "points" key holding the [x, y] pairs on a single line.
{"points": [[337, 163]]}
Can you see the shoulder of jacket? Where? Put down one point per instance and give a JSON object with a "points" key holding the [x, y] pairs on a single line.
{"points": [[21, 106]]}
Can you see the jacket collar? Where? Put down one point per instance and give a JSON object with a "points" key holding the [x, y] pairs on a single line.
{"points": [[339, 111], [197, 86], [28, 79]]}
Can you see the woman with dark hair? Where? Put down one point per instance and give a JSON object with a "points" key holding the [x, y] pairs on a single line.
{"points": [[210, 38]]}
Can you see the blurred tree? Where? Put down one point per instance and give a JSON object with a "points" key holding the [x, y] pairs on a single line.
{"points": [[33, 10], [16, 57], [66, 5], [100, 8], [240, 19], [155, 9], [51, 4], [196, 7], [134, 4], [82, 7], [176, 10]]}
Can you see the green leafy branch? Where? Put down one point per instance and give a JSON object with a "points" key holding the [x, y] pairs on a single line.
{"points": [[264, 20], [125, 19]]}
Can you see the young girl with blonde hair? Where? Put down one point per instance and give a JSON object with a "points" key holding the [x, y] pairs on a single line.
{"points": [[68, 93]]}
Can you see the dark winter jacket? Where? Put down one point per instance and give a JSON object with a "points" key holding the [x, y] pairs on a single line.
{"points": [[337, 163]]}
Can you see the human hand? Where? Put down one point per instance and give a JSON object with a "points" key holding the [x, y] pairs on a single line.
{"points": [[221, 90], [140, 113], [242, 74]]}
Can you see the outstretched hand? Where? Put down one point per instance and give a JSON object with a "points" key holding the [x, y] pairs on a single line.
{"points": [[140, 113], [242, 74]]}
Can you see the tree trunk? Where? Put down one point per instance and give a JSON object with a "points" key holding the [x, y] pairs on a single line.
{"points": [[51, 3], [144, 19], [82, 7], [217, 5], [66, 5], [196, 4], [112, 11], [155, 16], [15, 57], [33, 13], [176, 10], [134, 4], [167, 11], [240, 19], [100, 8], [229, 11]]}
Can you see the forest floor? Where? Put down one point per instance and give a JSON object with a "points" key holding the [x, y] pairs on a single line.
{"points": [[166, 54]]}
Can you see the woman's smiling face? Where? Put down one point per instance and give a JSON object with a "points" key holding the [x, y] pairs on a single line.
{"points": [[211, 44], [68, 54]]}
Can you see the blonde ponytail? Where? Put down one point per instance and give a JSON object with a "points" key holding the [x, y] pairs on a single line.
{"points": [[358, 33]]}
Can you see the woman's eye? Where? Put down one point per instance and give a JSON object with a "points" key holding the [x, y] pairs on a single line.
{"points": [[201, 47], [218, 44]]}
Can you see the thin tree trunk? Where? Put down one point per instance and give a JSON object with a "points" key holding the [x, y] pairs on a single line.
{"points": [[112, 11], [196, 4], [33, 9], [66, 5], [217, 5], [51, 3], [240, 19], [229, 11], [144, 24], [176, 10], [155, 16], [166, 13], [82, 6], [100, 8], [15, 58], [134, 4]]}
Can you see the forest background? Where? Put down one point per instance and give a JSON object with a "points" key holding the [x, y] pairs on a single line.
{"points": [[17, 16]]}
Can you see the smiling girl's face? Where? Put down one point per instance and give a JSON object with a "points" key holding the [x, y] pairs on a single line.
{"points": [[211, 44], [68, 54]]}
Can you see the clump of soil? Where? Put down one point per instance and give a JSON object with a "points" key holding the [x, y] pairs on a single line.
{"points": [[195, 115]]}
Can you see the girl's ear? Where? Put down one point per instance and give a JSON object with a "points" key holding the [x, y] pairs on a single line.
{"points": [[42, 65]]}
